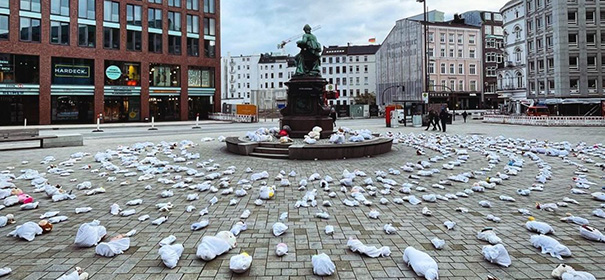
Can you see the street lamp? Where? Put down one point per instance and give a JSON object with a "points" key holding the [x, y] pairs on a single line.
{"points": [[395, 86]]}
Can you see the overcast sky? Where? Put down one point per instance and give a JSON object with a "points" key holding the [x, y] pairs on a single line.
{"points": [[257, 26]]}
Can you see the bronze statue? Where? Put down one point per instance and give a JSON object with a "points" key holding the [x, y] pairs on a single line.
{"points": [[307, 61]]}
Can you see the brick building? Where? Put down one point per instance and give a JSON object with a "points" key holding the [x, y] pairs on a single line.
{"points": [[68, 61]]}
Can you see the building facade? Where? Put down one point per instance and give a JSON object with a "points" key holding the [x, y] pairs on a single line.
{"points": [[512, 77], [71, 61], [240, 77], [492, 58], [565, 57], [352, 69]]}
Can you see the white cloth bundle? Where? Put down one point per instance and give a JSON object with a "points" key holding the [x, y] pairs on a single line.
{"points": [[57, 219], [389, 229], [240, 263], [134, 202], [112, 248], [449, 225], [322, 265], [550, 246], [11, 200], [279, 228], [281, 249], [238, 227], [70, 276], [83, 210], [566, 272], [63, 196], [5, 271], [357, 246], [496, 254], [89, 234], [539, 227], [438, 243], [128, 212], [329, 229], [27, 231], [211, 247], [266, 192], [159, 221], [591, 233], [171, 254], [199, 225], [489, 236], [421, 263]]}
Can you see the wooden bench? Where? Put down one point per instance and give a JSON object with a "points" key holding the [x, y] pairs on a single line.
{"points": [[23, 134]]}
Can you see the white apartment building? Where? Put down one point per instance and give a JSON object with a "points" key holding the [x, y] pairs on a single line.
{"points": [[512, 77], [264, 74], [352, 69]]}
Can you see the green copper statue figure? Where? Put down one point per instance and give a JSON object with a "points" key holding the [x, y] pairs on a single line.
{"points": [[307, 61]]}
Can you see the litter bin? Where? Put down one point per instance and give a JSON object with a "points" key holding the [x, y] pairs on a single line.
{"points": [[394, 119], [417, 120]]}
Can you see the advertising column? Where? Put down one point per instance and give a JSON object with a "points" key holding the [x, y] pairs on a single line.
{"points": [[19, 89], [164, 92], [122, 91], [72, 90]]}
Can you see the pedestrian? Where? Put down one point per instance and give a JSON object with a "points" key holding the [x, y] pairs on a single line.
{"points": [[443, 116], [464, 115], [436, 125], [333, 116], [429, 118]]}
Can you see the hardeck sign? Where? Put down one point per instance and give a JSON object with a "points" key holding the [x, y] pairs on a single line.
{"points": [[72, 71]]}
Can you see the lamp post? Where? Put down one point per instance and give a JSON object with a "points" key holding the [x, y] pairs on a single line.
{"points": [[382, 93], [426, 51]]}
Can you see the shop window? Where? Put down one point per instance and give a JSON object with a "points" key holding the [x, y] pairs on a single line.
{"points": [[201, 77], [210, 48], [154, 18], [111, 38], [174, 45], [4, 27], [174, 3], [122, 108], [111, 11], [193, 5], [133, 15], [164, 75], [133, 40], [193, 24], [193, 47], [120, 73], [30, 29], [59, 7], [86, 9], [209, 6], [72, 109], [19, 69], [59, 33], [174, 21], [155, 42], [30, 5], [72, 71], [209, 26], [86, 35]]}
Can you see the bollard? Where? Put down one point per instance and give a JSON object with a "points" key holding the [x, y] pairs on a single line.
{"points": [[152, 124], [24, 122], [197, 122], [98, 125]]}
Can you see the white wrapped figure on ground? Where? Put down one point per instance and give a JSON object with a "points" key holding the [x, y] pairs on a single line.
{"points": [[421, 263], [77, 274], [169, 253], [370, 251], [322, 265], [5, 271], [27, 231], [213, 246], [115, 246], [566, 272], [550, 246], [240, 263], [539, 227], [496, 254], [591, 233], [90, 234]]}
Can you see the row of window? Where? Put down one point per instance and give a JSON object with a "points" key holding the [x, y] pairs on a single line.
{"points": [[344, 59], [30, 31], [337, 70], [471, 53], [453, 85], [72, 71], [352, 81], [86, 8], [574, 83], [472, 69], [452, 37]]}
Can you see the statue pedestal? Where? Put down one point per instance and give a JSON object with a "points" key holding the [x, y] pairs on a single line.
{"points": [[305, 108]]}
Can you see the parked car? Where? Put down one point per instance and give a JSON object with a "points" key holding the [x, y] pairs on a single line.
{"points": [[538, 111], [477, 115]]}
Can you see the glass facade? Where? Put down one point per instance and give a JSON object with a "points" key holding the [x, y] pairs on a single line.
{"points": [[86, 35], [161, 75], [129, 74], [15, 109], [4, 27], [165, 108], [59, 33], [72, 109], [19, 69], [72, 71], [201, 77], [122, 108], [30, 29]]}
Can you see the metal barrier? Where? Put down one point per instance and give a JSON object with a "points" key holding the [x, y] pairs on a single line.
{"points": [[546, 121], [233, 118]]}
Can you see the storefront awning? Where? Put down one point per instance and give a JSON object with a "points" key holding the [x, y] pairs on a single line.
{"points": [[201, 91], [555, 101]]}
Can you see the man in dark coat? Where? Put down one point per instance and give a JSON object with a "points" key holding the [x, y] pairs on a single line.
{"points": [[443, 116]]}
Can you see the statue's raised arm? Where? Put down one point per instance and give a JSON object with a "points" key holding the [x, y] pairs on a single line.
{"points": [[308, 60]]}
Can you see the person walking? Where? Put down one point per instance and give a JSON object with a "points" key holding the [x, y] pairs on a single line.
{"points": [[443, 116], [464, 115], [429, 119], [333, 116], [436, 125]]}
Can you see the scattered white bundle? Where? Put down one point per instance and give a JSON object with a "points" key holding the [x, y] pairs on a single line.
{"points": [[421, 263], [389, 229], [240, 263], [449, 225], [438, 243], [550, 246], [322, 265], [279, 228], [496, 254], [370, 251], [281, 249]]}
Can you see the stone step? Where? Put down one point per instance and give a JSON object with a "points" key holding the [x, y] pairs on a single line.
{"points": [[273, 156], [266, 150], [274, 145]]}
